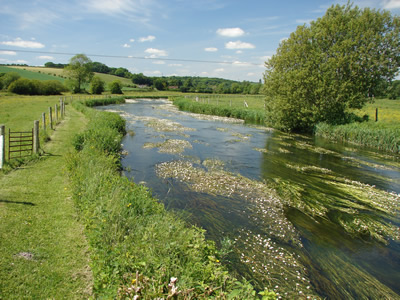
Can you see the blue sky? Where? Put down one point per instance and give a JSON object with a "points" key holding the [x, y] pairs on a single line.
{"points": [[159, 37]]}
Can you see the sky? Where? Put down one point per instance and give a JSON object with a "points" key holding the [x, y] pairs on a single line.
{"points": [[209, 38]]}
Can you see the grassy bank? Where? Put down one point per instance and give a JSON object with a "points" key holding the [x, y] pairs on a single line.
{"points": [[223, 110], [43, 251], [137, 247], [383, 134]]}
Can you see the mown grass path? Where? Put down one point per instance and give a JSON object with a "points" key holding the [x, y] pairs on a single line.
{"points": [[43, 251]]}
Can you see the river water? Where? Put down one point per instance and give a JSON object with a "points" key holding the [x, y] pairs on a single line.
{"points": [[296, 214]]}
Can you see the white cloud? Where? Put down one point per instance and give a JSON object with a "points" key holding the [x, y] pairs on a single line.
{"points": [[211, 49], [45, 57], [8, 53], [159, 62], [239, 45], [150, 73], [239, 52], [241, 64], [148, 38], [132, 40], [18, 42], [391, 4], [154, 53], [220, 70], [18, 61], [251, 74], [175, 65], [126, 45], [230, 32]]}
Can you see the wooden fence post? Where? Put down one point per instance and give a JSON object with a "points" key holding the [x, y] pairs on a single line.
{"points": [[44, 121], [36, 145], [61, 108], [50, 118], [2, 145], [376, 115], [56, 112]]}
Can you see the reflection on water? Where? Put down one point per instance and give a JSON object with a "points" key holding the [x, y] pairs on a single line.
{"points": [[308, 217]]}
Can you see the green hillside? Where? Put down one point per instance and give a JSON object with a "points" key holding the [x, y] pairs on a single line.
{"points": [[52, 72], [27, 72]]}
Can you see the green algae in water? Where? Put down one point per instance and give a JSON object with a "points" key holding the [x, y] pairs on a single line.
{"points": [[171, 146]]}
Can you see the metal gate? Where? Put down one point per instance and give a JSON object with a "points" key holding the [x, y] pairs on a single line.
{"points": [[20, 144]]}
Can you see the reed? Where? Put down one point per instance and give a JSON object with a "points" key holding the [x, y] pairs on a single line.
{"points": [[366, 134], [249, 115]]}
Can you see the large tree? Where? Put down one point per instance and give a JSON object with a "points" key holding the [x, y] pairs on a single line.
{"points": [[334, 64], [79, 71]]}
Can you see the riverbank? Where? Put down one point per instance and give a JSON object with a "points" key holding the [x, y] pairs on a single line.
{"points": [[137, 247], [43, 250], [383, 134]]}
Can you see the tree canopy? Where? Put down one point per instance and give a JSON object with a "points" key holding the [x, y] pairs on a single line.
{"points": [[334, 64], [79, 71]]}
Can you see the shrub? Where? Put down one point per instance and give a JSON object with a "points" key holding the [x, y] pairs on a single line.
{"points": [[8, 78], [23, 86], [115, 87], [97, 85], [52, 87]]}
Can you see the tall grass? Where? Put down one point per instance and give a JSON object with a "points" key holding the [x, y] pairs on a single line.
{"points": [[137, 247], [366, 134], [247, 114]]}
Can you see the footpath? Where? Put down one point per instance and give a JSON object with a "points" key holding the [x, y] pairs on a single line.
{"points": [[43, 251]]}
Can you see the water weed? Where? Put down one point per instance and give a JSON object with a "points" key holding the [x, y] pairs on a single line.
{"points": [[137, 247]]}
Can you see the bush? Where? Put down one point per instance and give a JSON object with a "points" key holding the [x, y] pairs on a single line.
{"points": [[52, 87], [8, 78], [115, 87], [97, 85], [23, 86]]}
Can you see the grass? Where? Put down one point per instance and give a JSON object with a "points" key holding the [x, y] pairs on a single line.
{"points": [[383, 134], [43, 251], [25, 72], [59, 72], [250, 115], [137, 247]]}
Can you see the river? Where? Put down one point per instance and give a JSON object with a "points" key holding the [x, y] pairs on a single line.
{"points": [[296, 214]]}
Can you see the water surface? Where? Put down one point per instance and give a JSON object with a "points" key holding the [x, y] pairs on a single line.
{"points": [[306, 217]]}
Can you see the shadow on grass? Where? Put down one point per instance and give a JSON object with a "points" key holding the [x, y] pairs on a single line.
{"points": [[17, 202]]}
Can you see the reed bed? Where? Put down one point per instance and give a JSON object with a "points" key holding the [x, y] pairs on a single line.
{"points": [[365, 134]]}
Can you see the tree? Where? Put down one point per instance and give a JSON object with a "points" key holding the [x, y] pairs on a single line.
{"points": [[79, 72], [141, 79], [8, 78], [115, 87], [332, 65], [97, 85], [159, 84]]}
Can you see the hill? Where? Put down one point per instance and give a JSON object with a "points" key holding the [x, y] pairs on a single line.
{"points": [[27, 72], [43, 73]]}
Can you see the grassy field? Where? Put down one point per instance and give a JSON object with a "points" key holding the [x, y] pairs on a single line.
{"points": [[383, 134], [25, 72], [59, 72], [388, 112], [43, 250]]}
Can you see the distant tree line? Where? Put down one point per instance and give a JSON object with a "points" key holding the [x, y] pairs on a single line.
{"points": [[184, 84], [190, 84]]}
